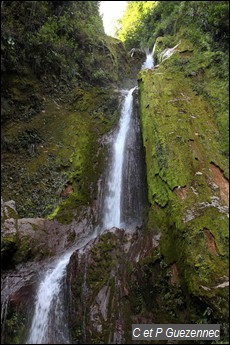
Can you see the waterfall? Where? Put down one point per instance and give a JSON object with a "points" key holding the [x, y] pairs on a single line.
{"points": [[112, 211], [166, 53], [149, 62], [49, 323], [48, 297]]}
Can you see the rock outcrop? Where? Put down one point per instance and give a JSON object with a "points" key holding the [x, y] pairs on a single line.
{"points": [[187, 175]]}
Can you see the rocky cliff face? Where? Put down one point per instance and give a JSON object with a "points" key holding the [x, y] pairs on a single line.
{"points": [[188, 174], [117, 284], [174, 268], [28, 247]]}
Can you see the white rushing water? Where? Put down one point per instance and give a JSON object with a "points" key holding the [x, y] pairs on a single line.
{"points": [[166, 53], [48, 324], [149, 62], [48, 292], [112, 213]]}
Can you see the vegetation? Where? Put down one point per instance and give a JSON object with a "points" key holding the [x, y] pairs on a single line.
{"points": [[206, 22], [133, 21], [185, 133], [59, 71], [201, 31], [205, 25], [58, 74], [51, 38]]}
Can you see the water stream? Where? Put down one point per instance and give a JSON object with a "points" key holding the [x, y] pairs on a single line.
{"points": [[112, 210], [49, 324], [149, 62]]}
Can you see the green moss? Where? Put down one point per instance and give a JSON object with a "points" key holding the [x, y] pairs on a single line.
{"points": [[26, 250], [178, 122], [67, 210], [69, 150], [181, 137], [102, 262]]}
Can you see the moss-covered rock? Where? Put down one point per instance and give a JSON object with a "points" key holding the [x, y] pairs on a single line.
{"points": [[58, 100], [57, 146], [122, 279], [187, 172], [93, 313]]}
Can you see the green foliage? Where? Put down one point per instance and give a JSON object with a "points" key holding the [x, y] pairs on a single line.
{"points": [[58, 66], [48, 36], [133, 22], [205, 25], [144, 21]]}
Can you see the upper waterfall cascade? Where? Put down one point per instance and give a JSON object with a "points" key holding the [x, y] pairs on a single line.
{"points": [[149, 62]]}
